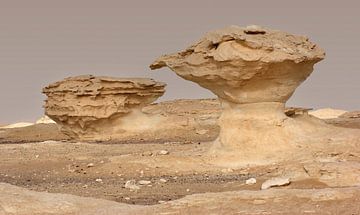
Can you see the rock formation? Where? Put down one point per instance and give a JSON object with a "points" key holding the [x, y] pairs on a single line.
{"points": [[253, 71], [100, 108]]}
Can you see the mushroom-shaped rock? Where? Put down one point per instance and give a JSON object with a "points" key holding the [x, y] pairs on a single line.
{"points": [[253, 71], [99, 108]]}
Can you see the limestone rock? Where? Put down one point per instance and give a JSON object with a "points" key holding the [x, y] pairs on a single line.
{"points": [[242, 66], [18, 201], [253, 71], [292, 111], [250, 181], [88, 107], [131, 184], [275, 182], [144, 182]]}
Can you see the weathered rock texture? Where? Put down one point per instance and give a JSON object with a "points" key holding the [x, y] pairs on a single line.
{"points": [[253, 71], [246, 65], [19, 201], [99, 108]]}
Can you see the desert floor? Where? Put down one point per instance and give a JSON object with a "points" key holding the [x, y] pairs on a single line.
{"points": [[39, 158]]}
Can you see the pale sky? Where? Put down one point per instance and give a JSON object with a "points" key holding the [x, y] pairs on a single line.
{"points": [[45, 41]]}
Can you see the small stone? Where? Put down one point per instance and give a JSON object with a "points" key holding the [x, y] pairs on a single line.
{"points": [[99, 180], [163, 152], [187, 190], [85, 186], [131, 184], [90, 165], [37, 156], [250, 181], [275, 182], [147, 154], [163, 180], [127, 198], [144, 182], [244, 171], [161, 202], [254, 29]]}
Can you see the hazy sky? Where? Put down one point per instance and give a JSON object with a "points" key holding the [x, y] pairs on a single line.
{"points": [[45, 41]]}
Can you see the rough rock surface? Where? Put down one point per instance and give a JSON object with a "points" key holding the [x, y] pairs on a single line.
{"points": [[88, 107], [19, 201], [275, 182], [242, 65], [253, 71], [190, 120]]}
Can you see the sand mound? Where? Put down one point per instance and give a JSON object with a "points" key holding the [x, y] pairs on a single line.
{"points": [[44, 120], [17, 125], [327, 113]]}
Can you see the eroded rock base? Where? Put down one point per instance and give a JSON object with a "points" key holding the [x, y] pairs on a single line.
{"points": [[261, 133]]}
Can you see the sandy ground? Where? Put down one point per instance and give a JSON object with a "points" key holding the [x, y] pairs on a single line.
{"points": [[40, 158]]}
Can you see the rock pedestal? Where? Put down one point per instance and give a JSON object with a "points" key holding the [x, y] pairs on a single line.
{"points": [[100, 108], [253, 71]]}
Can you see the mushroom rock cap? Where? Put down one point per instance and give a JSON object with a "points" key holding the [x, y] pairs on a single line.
{"points": [[246, 65], [78, 96], [77, 103]]}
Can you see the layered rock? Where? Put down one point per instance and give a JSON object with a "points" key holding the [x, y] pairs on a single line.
{"points": [[246, 65], [99, 108], [253, 71]]}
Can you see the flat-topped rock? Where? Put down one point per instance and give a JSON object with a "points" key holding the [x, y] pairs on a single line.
{"points": [[85, 106]]}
